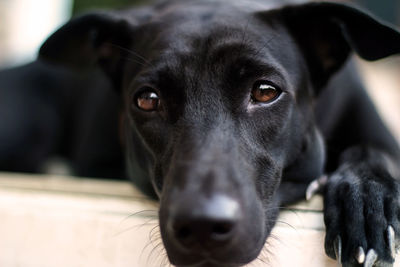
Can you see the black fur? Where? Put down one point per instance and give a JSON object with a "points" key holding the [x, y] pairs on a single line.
{"points": [[221, 163]]}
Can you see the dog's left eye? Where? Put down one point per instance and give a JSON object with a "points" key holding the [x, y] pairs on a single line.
{"points": [[148, 100], [264, 92]]}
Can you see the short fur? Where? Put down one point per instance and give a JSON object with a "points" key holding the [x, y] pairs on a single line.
{"points": [[222, 164]]}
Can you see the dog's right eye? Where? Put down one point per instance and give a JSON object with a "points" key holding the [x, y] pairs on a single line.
{"points": [[148, 100], [264, 92]]}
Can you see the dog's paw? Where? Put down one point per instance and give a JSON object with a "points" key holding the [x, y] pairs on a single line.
{"points": [[361, 213]]}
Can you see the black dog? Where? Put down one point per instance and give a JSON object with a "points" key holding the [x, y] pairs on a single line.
{"points": [[48, 110], [228, 107]]}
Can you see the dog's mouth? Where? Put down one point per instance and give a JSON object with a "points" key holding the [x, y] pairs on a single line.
{"points": [[234, 255], [217, 258]]}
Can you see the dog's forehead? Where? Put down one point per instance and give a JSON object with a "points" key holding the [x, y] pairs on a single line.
{"points": [[184, 43], [200, 29], [190, 50], [185, 16]]}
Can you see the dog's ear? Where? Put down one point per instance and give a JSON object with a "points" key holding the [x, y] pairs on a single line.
{"points": [[97, 38], [328, 32]]}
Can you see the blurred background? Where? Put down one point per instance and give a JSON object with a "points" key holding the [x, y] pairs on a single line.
{"points": [[26, 23]]}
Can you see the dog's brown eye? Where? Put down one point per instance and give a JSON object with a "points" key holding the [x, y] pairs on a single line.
{"points": [[148, 101], [264, 92]]}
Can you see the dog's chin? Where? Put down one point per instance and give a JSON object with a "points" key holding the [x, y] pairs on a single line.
{"points": [[235, 257]]}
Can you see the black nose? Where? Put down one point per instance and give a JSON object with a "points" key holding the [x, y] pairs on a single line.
{"points": [[204, 224]]}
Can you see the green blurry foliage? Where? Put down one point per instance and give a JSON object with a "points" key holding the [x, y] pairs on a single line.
{"points": [[85, 5]]}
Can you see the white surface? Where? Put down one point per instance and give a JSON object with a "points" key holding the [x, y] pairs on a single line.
{"points": [[28, 23], [48, 221]]}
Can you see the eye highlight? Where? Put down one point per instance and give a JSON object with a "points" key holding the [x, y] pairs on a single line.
{"points": [[264, 92], [148, 100]]}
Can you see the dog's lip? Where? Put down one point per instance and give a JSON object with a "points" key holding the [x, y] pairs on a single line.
{"points": [[208, 261]]}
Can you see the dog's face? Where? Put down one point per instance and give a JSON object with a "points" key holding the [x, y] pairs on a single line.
{"points": [[218, 111], [219, 108]]}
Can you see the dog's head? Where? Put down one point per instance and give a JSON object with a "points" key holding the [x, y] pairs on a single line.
{"points": [[218, 107]]}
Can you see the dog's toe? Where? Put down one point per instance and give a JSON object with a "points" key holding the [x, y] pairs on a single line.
{"points": [[362, 220]]}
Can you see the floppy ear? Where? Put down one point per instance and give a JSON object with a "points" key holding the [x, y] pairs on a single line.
{"points": [[328, 32], [101, 38]]}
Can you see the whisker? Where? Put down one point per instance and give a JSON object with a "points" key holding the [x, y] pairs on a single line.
{"points": [[287, 224], [137, 227], [165, 261], [266, 254], [153, 231], [152, 213], [156, 249], [148, 222], [257, 53], [131, 52], [156, 245], [134, 60], [148, 244], [156, 237]]}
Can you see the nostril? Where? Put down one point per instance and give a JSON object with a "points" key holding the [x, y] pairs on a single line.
{"points": [[183, 233], [221, 229], [203, 231]]}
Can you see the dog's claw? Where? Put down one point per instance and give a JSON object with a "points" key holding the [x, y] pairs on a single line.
{"points": [[312, 189], [316, 186], [371, 258], [337, 246], [391, 241], [360, 255]]}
